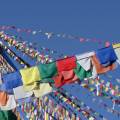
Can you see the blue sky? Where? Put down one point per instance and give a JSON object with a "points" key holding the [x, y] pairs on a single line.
{"points": [[92, 19], [85, 18]]}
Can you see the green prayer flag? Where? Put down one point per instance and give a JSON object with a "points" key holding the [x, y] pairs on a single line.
{"points": [[7, 115], [47, 70], [81, 73], [48, 80]]}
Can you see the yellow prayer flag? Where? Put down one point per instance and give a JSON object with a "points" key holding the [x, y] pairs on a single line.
{"points": [[30, 87], [30, 75], [44, 89]]}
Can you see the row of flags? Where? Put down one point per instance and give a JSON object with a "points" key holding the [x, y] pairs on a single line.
{"points": [[50, 35], [95, 83]]}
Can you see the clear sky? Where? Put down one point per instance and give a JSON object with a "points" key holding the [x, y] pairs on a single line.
{"points": [[92, 19], [85, 18]]}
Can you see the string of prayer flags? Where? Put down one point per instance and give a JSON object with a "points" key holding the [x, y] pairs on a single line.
{"points": [[76, 100], [64, 75], [102, 93], [34, 45], [13, 55], [40, 73], [67, 74], [67, 58], [48, 109], [29, 51], [61, 71], [37, 108], [104, 68], [41, 49], [109, 109], [51, 34], [76, 108], [68, 111], [5, 67], [79, 104], [103, 90]]}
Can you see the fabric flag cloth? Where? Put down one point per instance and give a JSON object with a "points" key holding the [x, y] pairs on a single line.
{"points": [[86, 63], [3, 98], [66, 64], [12, 80], [106, 56], [47, 70], [19, 93], [48, 80], [44, 88], [101, 69], [85, 55], [7, 115], [11, 104], [81, 73], [117, 51], [30, 75], [65, 77], [31, 86]]}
